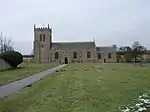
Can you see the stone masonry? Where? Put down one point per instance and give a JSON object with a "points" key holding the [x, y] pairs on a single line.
{"points": [[46, 51]]}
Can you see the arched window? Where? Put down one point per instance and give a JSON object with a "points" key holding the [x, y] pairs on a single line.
{"points": [[75, 55], [56, 55], [40, 37], [43, 37], [88, 55], [109, 55], [99, 55]]}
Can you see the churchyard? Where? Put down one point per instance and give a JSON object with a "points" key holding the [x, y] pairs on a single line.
{"points": [[23, 70], [92, 87]]}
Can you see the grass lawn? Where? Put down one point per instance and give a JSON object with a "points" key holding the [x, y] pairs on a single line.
{"points": [[82, 88], [22, 71]]}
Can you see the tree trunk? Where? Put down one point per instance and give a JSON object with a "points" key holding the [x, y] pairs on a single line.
{"points": [[135, 59]]}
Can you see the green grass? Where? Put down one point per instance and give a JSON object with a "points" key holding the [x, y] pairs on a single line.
{"points": [[22, 71], [102, 88]]}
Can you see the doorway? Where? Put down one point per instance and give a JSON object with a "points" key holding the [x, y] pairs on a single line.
{"points": [[66, 60], [104, 60]]}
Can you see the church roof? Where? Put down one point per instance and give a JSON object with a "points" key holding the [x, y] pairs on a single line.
{"points": [[73, 45], [107, 49]]}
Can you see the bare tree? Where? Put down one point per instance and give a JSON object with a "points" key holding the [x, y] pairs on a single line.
{"points": [[127, 52], [138, 50], [125, 49], [5, 44]]}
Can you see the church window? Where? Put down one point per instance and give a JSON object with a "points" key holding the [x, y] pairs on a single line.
{"points": [[40, 37], [88, 55], [75, 55], [99, 56], [109, 55], [43, 37], [56, 55]]}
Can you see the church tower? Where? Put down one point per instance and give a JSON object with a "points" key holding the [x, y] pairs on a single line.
{"points": [[42, 44]]}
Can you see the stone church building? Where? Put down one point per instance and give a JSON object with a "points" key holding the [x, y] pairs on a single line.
{"points": [[47, 51]]}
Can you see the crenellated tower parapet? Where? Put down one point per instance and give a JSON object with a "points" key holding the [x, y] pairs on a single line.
{"points": [[42, 28]]}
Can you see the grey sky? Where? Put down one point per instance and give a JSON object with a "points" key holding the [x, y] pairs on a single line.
{"points": [[108, 21]]}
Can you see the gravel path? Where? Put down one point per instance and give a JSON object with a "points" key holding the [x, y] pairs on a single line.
{"points": [[18, 85]]}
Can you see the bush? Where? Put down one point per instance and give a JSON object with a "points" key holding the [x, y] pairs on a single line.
{"points": [[128, 57], [12, 57]]}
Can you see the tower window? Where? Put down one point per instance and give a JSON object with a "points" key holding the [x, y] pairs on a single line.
{"points": [[43, 37], [40, 37]]}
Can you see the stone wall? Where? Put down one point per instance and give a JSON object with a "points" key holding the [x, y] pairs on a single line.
{"points": [[104, 55], [146, 56], [81, 55], [4, 65]]}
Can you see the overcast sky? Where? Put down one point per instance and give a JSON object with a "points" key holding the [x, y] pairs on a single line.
{"points": [[108, 21]]}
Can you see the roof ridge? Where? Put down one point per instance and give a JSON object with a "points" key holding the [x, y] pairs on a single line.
{"points": [[104, 46], [76, 42]]}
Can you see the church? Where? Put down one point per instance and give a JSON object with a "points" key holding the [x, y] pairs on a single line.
{"points": [[47, 51]]}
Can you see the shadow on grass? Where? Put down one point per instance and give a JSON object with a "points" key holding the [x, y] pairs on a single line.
{"points": [[12, 69]]}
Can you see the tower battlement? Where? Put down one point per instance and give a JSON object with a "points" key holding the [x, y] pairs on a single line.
{"points": [[42, 28]]}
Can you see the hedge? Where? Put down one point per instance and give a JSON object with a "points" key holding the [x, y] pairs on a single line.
{"points": [[12, 57]]}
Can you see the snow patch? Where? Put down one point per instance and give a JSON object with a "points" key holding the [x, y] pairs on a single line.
{"points": [[143, 103]]}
